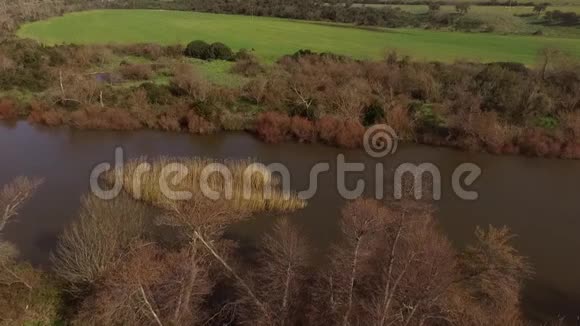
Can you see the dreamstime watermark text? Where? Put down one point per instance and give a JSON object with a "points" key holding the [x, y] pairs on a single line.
{"points": [[379, 142]]}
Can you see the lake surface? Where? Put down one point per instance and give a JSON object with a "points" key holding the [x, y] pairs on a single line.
{"points": [[538, 199]]}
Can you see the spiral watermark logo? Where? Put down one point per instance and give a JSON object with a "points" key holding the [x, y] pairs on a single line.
{"points": [[380, 141]]}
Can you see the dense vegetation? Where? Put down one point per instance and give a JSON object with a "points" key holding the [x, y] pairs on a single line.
{"points": [[497, 107], [391, 265]]}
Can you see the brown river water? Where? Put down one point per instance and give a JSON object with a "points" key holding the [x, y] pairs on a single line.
{"points": [[539, 199]]}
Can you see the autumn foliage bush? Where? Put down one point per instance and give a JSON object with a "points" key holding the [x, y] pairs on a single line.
{"points": [[7, 110], [248, 66], [136, 71], [536, 142], [350, 134], [42, 114], [199, 125], [104, 118], [303, 130], [273, 127], [327, 128]]}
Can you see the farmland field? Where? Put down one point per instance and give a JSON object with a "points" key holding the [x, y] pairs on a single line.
{"points": [[272, 38], [503, 19]]}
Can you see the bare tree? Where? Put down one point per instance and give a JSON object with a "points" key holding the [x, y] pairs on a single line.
{"points": [[12, 197], [20, 283], [361, 220], [413, 265], [393, 267], [492, 277], [151, 286], [97, 240], [203, 222], [280, 276]]}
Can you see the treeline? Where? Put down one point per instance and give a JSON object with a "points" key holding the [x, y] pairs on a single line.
{"points": [[391, 265], [563, 18], [496, 107], [506, 3], [291, 9]]}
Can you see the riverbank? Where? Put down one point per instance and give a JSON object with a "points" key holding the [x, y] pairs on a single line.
{"points": [[501, 108], [276, 128]]}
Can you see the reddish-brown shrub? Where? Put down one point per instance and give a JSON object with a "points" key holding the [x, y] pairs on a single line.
{"points": [[198, 125], [303, 129], [488, 128], [571, 123], [571, 150], [169, 123], [327, 127], [138, 100], [510, 148], [146, 118], [40, 113], [85, 56], [256, 90], [104, 118], [136, 72], [188, 81], [347, 133], [119, 119], [468, 143], [536, 142], [7, 110], [223, 97], [249, 67], [174, 51], [51, 117], [146, 50], [399, 119], [273, 127], [350, 134]]}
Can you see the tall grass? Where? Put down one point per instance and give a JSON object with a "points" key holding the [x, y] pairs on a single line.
{"points": [[147, 186]]}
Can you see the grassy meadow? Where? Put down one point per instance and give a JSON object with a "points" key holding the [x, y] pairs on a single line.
{"points": [[272, 37]]}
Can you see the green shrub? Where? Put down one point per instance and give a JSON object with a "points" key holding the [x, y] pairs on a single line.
{"points": [[157, 94], [216, 51], [219, 51], [426, 116], [547, 122], [197, 49], [373, 114]]}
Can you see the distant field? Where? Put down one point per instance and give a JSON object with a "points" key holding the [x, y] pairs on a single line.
{"points": [[504, 19], [485, 9], [272, 38], [552, 2]]}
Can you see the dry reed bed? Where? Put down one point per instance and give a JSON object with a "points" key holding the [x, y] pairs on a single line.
{"points": [[149, 185]]}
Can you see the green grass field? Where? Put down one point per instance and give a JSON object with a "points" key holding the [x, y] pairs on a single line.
{"points": [[272, 38]]}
